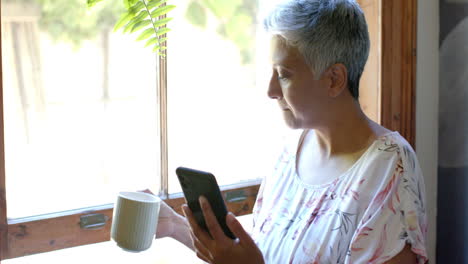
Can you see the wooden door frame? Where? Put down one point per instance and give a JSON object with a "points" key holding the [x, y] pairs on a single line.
{"points": [[398, 77], [3, 204], [398, 92]]}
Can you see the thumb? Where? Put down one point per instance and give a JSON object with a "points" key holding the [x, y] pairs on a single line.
{"points": [[239, 231]]}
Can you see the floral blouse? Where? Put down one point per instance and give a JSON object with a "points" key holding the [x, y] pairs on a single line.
{"points": [[367, 215]]}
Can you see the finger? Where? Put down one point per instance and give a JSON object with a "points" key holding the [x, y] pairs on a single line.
{"points": [[197, 231], [200, 256], [211, 221], [238, 230], [202, 250]]}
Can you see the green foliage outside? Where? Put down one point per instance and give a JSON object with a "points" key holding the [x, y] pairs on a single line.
{"points": [[76, 20], [235, 21], [72, 21]]}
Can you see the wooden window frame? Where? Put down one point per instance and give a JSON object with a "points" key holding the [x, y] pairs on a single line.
{"points": [[397, 112]]}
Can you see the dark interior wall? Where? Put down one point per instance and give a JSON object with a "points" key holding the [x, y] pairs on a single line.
{"points": [[452, 215], [450, 16], [452, 201]]}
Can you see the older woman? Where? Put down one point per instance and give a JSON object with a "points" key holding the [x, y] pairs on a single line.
{"points": [[347, 190]]}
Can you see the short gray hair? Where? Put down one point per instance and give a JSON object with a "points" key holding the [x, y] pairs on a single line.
{"points": [[325, 32]]}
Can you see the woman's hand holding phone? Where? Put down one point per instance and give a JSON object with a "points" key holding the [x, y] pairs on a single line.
{"points": [[215, 247]]}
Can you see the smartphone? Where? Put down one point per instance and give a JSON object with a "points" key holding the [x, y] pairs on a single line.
{"points": [[197, 183]]}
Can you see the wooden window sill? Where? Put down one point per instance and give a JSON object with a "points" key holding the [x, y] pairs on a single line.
{"points": [[164, 250]]}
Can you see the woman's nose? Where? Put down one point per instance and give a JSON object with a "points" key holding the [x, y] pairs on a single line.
{"points": [[274, 88]]}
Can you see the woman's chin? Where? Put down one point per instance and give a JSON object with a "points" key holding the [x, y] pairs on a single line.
{"points": [[292, 122]]}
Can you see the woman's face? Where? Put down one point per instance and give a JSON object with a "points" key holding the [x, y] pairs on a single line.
{"points": [[301, 97]]}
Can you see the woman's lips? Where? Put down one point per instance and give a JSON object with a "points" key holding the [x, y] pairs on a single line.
{"points": [[283, 106]]}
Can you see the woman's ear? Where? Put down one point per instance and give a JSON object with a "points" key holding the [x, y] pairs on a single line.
{"points": [[338, 75]]}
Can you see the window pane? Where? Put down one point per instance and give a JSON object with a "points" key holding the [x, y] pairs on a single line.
{"points": [[80, 107], [220, 118]]}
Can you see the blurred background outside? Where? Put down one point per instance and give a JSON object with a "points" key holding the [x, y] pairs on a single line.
{"points": [[80, 101]]}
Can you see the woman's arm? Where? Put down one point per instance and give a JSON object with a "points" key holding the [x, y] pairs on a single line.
{"points": [[406, 256], [171, 224], [181, 231]]}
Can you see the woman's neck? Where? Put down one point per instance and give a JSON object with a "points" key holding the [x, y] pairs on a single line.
{"points": [[348, 131]]}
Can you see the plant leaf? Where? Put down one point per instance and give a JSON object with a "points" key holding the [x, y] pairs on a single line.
{"points": [[146, 34], [162, 22], [196, 14], [151, 42], [222, 9], [162, 31], [123, 20], [135, 20], [130, 25], [156, 48], [153, 3], [160, 48], [91, 3], [160, 53], [143, 14], [139, 25], [129, 3], [136, 7], [162, 10], [235, 29]]}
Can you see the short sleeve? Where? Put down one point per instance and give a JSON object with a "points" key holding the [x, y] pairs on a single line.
{"points": [[395, 217]]}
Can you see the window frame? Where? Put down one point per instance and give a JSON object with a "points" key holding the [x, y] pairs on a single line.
{"points": [[397, 59]]}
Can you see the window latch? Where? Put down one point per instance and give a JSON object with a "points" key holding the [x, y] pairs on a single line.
{"points": [[93, 221], [236, 196]]}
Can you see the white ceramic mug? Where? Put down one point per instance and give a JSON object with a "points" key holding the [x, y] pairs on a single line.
{"points": [[135, 220]]}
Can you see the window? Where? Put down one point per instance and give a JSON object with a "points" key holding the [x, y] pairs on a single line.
{"points": [[219, 116], [83, 118], [79, 122]]}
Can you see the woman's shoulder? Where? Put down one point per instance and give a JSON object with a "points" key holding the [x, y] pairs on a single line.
{"points": [[390, 141], [393, 202], [391, 162], [396, 144]]}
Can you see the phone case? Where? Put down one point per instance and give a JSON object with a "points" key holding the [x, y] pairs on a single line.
{"points": [[197, 183]]}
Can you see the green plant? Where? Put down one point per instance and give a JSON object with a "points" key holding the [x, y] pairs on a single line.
{"points": [[70, 21], [235, 20], [146, 16]]}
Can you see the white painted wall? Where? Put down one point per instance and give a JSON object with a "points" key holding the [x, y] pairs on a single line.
{"points": [[427, 96]]}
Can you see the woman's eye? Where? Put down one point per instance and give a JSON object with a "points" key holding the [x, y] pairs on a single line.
{"points": [[281, 78]]}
